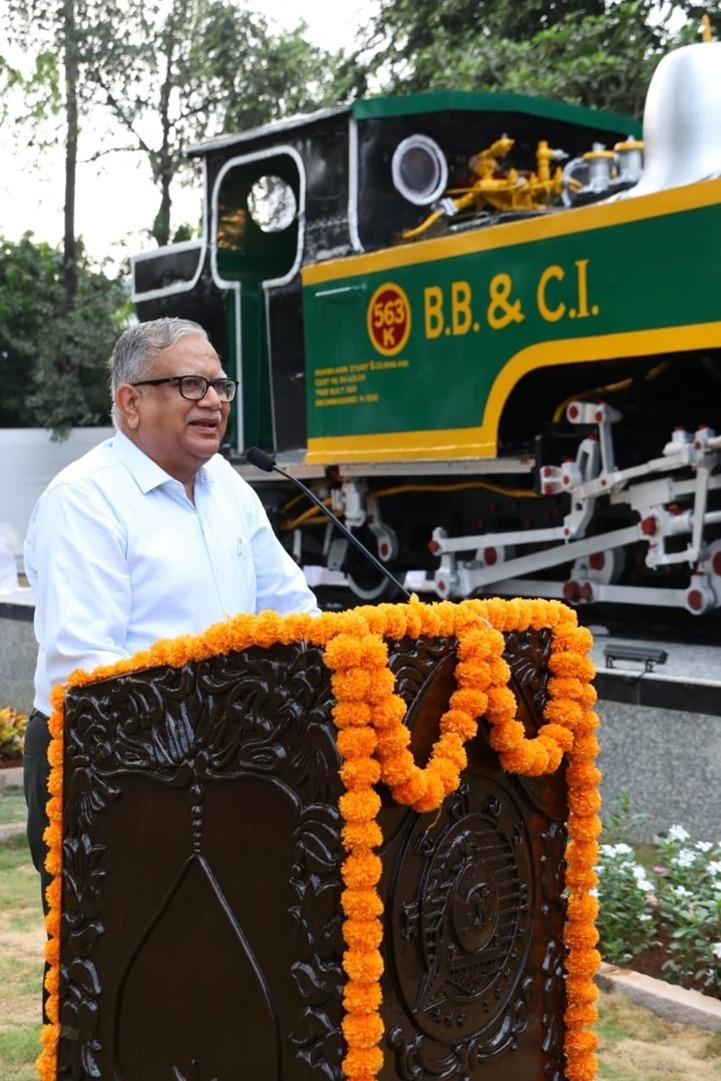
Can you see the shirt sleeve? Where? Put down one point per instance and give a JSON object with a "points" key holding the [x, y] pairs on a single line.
{"points": [[280, 582], [77, 567]]}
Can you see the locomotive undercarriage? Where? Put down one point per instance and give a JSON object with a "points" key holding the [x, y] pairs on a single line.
{"points": [[588, 530]]}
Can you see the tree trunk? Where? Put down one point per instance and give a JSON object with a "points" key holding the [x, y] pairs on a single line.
{"points": [[70, 275], [161, 225]]}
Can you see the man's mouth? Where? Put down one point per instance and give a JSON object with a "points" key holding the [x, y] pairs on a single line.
{"points": [[206, 424]]}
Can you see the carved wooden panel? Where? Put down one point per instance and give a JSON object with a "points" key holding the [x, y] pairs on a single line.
{"points": [[201, 928]]}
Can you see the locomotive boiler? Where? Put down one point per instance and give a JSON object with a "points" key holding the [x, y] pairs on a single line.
{"points": [[485, 327]]}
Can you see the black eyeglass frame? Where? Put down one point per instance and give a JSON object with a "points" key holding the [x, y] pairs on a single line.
{"points": [[216, 384]]}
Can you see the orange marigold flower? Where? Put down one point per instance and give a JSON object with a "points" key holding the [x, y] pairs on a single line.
{"points": [[584, 803], [361, 870], [381, 685], [432, 797], [449, 775], [571, 665], [473, 702], [373, 651], [586, 744], [396, 619], [361, 904], [589, 696], [473, 674], [414, 621], [361, 996], [584, 827], [563, 711], [362, 835], [356, 742], [580, 989], [583, 962], [585, 852], [362, 1030], [565, 687], [582, 1068], [362, 932], [581, 1041], [393, 741], [583, 774], [553, 751], [457, 720], [506, 736], [388, 712], [351, 714], [363, 964], [360, 806], [581, 878], [342, 652], [360, 773], [411, 790], [501, 705], [451, 747], [559, 734], [399, 769], [351, 683], [362, 1063], [581, 936], [431, 621]]}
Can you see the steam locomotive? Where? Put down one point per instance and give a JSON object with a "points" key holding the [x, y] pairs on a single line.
{"points": [[485, 327]]}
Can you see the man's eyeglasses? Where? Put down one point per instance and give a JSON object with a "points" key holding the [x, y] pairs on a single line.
{"points": [[195, 387]]}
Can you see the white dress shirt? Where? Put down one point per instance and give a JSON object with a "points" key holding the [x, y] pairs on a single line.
{"points": [[118, 557]]}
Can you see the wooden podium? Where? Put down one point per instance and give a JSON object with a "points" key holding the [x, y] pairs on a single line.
{"points": [[200, 918]]}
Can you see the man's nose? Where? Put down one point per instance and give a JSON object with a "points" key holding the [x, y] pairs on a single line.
{"points": [[211, 398]]}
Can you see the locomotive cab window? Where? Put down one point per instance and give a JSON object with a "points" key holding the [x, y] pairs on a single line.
{"points": [[257, 219]]}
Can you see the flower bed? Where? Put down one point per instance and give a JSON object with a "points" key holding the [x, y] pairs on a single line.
{"points": [[664, 920], [12, 736]]}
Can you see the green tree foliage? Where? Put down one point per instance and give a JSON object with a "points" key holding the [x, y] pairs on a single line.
{"points": [[594, 52], [164, 75], [172, 75], [53, 362]]}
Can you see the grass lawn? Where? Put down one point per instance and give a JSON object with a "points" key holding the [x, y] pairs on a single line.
{"points": [[12, 805], [635, 1045], [21, 960]]}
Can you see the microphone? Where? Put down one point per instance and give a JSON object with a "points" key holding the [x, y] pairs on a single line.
{"points": [[261, 460]]}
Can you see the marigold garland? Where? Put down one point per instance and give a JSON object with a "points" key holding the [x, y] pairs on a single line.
{"points": [[373, 741]]}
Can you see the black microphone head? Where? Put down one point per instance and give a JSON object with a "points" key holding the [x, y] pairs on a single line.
{"points": [[260, 459]]}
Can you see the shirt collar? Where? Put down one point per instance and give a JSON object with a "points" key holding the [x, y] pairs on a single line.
{"points": [[146, 473]]}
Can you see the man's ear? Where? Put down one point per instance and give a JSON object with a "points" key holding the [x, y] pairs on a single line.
{"points": [[127, 398]]}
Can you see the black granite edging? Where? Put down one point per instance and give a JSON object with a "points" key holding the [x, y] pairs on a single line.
{"points": [[643, 689], [22, 613]]}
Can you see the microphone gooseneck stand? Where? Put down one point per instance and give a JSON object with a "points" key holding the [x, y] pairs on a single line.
{"points": [[261, 460]]}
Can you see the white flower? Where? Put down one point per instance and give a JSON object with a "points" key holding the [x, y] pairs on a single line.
{"points": [[681, 891], [624, 850], [678, 833], [716, 949], [704, 846], [645, 917], [642, 879], [685, 858], [714, 867]]}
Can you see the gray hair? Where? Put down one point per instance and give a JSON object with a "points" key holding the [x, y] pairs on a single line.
{"points": [[136, 347]]}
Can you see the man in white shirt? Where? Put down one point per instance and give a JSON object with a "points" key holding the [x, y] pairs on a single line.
{"points": [[152, 534]]}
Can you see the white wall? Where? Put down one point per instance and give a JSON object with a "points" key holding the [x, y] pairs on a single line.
{"points": [[28, 460]]}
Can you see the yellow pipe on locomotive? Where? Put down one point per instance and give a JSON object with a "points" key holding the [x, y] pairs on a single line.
{"points": [[507, 191]]}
